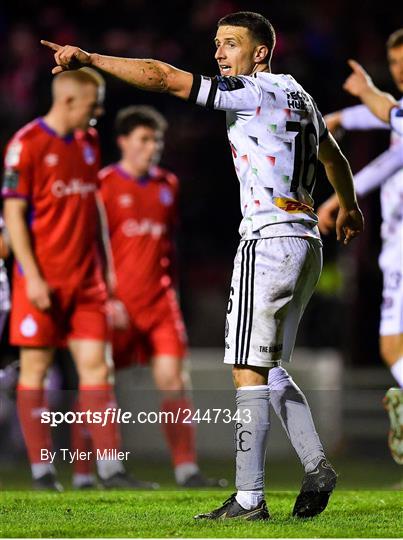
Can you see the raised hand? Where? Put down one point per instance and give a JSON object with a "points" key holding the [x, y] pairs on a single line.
{"points": [[67, 57], [359, 81]]}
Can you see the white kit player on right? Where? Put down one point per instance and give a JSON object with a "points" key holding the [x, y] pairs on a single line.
{"points": [[386, 173]]}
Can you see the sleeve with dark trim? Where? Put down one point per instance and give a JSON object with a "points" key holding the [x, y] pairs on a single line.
{"points": [[396, 119], [226, 93]]}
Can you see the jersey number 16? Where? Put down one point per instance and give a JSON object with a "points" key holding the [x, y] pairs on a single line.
{"points": [[305, 155]]}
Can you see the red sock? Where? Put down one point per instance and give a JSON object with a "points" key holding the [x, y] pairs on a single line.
{"points": [[180, 436], [81, 441], [98, 398], [30, 404]]}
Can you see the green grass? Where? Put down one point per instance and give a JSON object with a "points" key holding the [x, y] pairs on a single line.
{"points": [[170, 514]]}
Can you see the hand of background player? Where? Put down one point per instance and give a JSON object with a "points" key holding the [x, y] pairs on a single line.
{"points": [[333, 123], [38, 293], [359, 81], [327, 215], [117, 314], [349, 224], [67, 57]]}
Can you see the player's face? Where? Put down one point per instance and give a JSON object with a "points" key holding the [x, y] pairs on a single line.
{"points": [[84, 107], [142, 148], [235, 51], [395, 58]]}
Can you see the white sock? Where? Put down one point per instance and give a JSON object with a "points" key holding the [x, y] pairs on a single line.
{"points": [[108, 467], [40, 469], [290, 405], [80, 479], [249, 499], [184, 471], [397, 371]]}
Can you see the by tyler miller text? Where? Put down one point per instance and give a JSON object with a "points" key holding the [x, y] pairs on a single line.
{"points": [[70, 456]]}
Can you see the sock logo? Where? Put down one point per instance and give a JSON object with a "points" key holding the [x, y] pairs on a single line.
{"points": [[240, 438]]}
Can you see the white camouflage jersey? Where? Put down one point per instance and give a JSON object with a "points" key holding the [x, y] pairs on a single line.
{"points": [[386, 171], [274, 129]]}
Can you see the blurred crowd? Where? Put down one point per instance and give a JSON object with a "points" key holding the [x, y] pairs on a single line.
{"points": [[314, 40]]}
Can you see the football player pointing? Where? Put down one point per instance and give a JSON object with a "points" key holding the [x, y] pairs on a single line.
{"points": [[275, 132]]}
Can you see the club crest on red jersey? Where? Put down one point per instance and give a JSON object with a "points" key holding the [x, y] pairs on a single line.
{"points": [[89, 155], [166, 196]]}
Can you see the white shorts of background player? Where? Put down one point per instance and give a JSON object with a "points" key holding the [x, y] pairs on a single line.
{"points": [[391, 264], [272, 282]]}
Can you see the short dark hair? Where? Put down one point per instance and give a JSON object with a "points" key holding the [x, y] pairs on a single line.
{"points": [[134, 116], [395, 39], [261, 28]]}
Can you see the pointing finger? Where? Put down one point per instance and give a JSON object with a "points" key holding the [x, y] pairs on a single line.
{"points": [[355, 66], [53, 46]]}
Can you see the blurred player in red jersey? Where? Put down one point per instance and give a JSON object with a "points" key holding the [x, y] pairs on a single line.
{"points": [[141, 201], [59, 294]]}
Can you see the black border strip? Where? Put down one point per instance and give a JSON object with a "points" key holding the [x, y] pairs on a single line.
{"points": [[194, 91], [212, 93]]}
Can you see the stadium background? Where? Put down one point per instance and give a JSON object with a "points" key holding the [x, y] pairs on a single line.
{"points": [[314, 40]]}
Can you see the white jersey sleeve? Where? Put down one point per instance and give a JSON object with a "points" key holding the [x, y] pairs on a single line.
{"points": [[360, 117], [226, 93], [396, 119], [379, 170]]}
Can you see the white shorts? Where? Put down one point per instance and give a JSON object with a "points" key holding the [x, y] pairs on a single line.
{"points": [[391, 263], [272, 282]]}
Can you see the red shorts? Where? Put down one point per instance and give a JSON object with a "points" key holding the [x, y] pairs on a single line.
{"points": [[155, 330], [76, 313]]}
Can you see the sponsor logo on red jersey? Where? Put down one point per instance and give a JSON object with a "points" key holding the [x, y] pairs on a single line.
{"points": [[132, 227], [74, 187]]}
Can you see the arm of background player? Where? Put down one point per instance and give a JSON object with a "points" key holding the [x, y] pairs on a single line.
{"points": [[360, 84], [379, 170], [105, 250], [358, 117], [38, 291], [369, 178], [349, 221], [151, 75]]}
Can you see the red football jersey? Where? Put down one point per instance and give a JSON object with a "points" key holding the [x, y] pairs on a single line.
{"points": [[58, 177], [142, 214]]}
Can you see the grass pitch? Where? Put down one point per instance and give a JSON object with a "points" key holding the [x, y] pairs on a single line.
{"points": [[363, 505], [170, 514]]}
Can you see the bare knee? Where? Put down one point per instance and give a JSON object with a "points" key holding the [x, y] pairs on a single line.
{"points": [[34, 364], [168, 373], [249, 376], [90, 360], [391, 348]]}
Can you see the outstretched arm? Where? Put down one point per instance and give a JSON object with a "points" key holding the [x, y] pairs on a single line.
{"points": [[150, 75], [360, 84]]}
